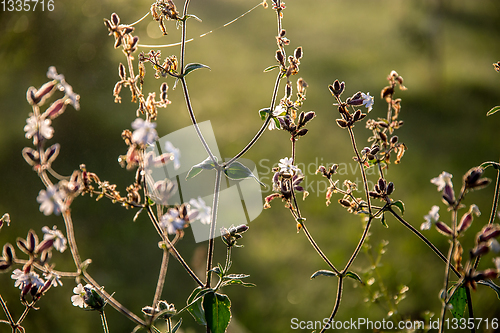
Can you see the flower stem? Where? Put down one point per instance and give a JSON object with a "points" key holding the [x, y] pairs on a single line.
{"points": [[213, 223], [337, 303], [104, 322], [161, 281]]}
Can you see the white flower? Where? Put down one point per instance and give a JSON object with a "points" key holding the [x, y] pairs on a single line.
{"points": [[51, 201], [272, 125], [203, 211], [58, 237], [144, 133], [278, 110], [442, 180], [56, 279], [171, 221], [367, 101], [286, 166], [35, 126], [175, 154], [24, 279], [495, 247], [78, 299], [473, 209], [430, 218], [64, 87]]}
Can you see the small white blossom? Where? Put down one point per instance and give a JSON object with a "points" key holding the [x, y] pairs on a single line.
{"points": [[23, 279], [35, 126], [171, 221], [430, 218], [51, 201], [494, 246], [473, 209], [56, 279], [144, 133], [175, 154], [203, 211], [278, 110], [367, 101], [78, 299], [442, 180], [58, 237], [286, 166]]}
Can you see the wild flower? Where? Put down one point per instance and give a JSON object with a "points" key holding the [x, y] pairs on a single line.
{"points": [[145, 133], [51, 201], [442, 180], [203, 212], [430, 218], [79, 298], [175, 154], [38, 129], [24, 279], [60, 242]]}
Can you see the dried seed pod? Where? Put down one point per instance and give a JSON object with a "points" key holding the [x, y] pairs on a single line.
{"points": [[55, 109], [9, 254], [394, 139], [345, 203], [122, 72], [301, 132], [298, 52], [280, 58], [342, 123], [390, 188], [357, 115], [115, 19], [51, 153]]}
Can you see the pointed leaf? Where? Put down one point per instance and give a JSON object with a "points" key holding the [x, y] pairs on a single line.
{"points": [[400, 205], [353, 276], [458, 302], [195, 307], [491, 285], [323, 272], [207, 164], [217, 311], [236, 276], [493, 110], [176, 327], [264, 112], [193, 66], [270, 68], [239, 282], [238, 171], [485, 165], [194, 16], [382, 219]]}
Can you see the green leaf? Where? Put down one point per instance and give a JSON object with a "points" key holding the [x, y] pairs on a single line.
{"points": [[270, 68], [217, 311], [264, 112], [458, 302], [176, 327], [194, 16], [207, 164], [276, 122], [150, 201], [353, 276], [237, 171], [488, 164], [239, 282], [195, 307], [382, 219], [400, 205], [323, 272], [494, 110], [491, 285], [193, 66], [236, 276]]}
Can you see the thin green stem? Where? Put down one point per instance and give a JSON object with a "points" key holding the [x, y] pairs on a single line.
{"points": [[213, 223], [104, 322], [161, 281], [171, 247], [337, 304], [6, 311], [424, 239], [318, 250], [114, 303], [359, 246]]}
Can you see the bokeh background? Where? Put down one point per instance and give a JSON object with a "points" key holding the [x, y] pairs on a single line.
{"points": [[443, 48]]}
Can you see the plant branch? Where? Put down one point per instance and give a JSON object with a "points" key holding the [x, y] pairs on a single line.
{"points": [[337, 303], [213, 223]]}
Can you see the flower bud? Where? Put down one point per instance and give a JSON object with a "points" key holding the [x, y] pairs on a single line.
{"points": [[345, 203], [444, 228], [44, 245], [115, 19], [342, 123], [122, 72], [298, 52], [301, 132], [390, 188], [56, 109], [280, 58], [479, 250], [382, 185], [488, 232], [51, 153], [394, 139], [9, 254]]}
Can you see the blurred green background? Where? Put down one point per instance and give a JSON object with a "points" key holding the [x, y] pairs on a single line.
{"points": [[443, 48]]}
